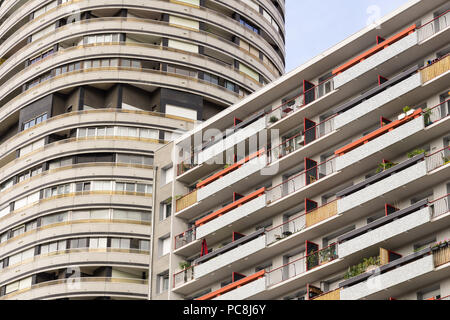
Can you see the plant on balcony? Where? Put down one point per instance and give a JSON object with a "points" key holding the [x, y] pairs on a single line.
{"points": [[385, 166], [289, 148], [184, 265], [427, 116], [363, 267], [273, 119], [178, 197], [414, 153], [445, 160], [406, 109], [312, 260], [441, 244], [327, 254]]}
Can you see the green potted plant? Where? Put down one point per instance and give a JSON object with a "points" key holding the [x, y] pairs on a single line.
{"points": [[273, 119], [385, 166], [414, 153], [184, 265], [427, 116]]}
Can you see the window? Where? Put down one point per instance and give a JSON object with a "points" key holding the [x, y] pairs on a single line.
{"points": [[130, 215], [163, 282], [167, 175], [34, 121], [54, 218], [79, 243], [211, 78], [134, 159], [164, 246], [97, 243], [166, 209]]}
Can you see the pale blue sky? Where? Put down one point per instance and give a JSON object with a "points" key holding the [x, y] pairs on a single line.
{"points": [[314, 26]]}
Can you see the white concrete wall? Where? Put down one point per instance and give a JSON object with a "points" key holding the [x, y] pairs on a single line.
{"points": [[231, 217], [379, 100], [385, 232], [380, 143], [375, 60], [232, 140], [389, 279], [246, 291], [229, 257], [246, 170], [382, 187]]}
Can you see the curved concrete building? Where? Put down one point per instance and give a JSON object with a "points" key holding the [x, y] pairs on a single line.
{"points": [[88, 91]]}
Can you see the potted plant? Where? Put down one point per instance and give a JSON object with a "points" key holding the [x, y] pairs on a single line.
{"points": [[427, 116], [184, 265], [273, 119], [385, 166], [406, 112], [414, 153]]}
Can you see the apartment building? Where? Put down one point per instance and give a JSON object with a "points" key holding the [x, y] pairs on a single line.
{"points": [[331, 183], [89, 90]]}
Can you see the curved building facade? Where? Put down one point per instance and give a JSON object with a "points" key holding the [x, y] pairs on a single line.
{"points": [[89, 90]]}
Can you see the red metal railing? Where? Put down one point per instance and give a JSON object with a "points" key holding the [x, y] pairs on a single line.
{"points": [[286, 229], [185, 238], [302, 265], [445, 298], [438, 159], [301, 180], [436, 113], [233, 286], [429, 29], [299, 101], [440, 206], [299, 141], [183, 277]]}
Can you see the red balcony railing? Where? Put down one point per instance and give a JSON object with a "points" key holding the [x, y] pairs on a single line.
{"points": [[185, 238], [438, 159], [230, 207], [233, 286], [183, 277], [434, 26], [436, 113], [300, 101], [301, 180], [375, 50], [302, 265], [377, 133], [301, 222], [440, 206], [300, 140]]}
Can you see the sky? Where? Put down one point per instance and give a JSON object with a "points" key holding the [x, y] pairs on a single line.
{"points": [[314, 26]]}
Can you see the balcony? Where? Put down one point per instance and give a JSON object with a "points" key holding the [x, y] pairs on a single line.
{"points": [[310, 176], [303, 265], [436, 69], [395, 278], [375, 56], [385, 229], [377, 133], [329, 296], [230, 214], [239, 290], [238, 135], [377, 97], [229, 254], [387, 141], [438, 159], [186, 201], [440, 207], [389, 184], [310, 94], [231, 175], [434, 26], [311, 132]]}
